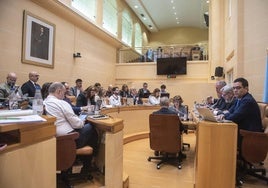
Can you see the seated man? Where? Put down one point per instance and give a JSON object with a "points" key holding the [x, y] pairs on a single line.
{"points": [[67, 121], [245, 112], [164, 103], [6, 87]]}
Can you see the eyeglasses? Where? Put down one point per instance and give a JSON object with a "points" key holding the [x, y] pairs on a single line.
{"points": [[237, 87]]}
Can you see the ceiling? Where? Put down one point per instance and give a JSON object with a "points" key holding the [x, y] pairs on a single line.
{"points": [[163, 14]]}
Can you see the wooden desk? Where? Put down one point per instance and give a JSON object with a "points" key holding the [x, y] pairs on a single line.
{"points": [[136, 120], [29, 160], [215, 155], [110, 155]]}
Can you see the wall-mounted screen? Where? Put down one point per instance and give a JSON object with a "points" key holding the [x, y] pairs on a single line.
{"points": [[171, 66]]}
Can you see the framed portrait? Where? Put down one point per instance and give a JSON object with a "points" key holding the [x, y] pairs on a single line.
{"points": [[38, 41]]}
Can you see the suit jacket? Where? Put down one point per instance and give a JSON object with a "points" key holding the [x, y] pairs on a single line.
{"points": [[29, 87], [165, 110], [247, 115]]}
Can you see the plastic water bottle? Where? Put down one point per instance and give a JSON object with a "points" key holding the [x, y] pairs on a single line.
{"points": [[13, 100], [37, 102]]}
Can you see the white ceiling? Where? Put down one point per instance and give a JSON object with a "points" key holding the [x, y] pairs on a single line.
{"points": [[163, 14]]}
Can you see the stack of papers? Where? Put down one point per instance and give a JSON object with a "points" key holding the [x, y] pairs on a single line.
{"points": [[19, 116], [21, 119]]}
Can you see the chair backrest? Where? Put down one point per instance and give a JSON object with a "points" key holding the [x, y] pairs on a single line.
{"points": [[254, 146], [165, 133], [264, 115], [66, 150]]}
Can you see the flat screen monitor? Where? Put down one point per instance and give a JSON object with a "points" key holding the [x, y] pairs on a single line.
{"points": [[164, 95], [171, 66]]}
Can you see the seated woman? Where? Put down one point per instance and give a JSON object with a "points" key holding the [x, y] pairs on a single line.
{"points": [[177, 107], [154, 98], [88, 97]]}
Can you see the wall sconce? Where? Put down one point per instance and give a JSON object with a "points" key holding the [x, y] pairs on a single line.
{"points": [[75, 55]]}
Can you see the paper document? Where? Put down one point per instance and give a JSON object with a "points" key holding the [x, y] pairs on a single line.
{"points": [[21, 119], [10, 113]]}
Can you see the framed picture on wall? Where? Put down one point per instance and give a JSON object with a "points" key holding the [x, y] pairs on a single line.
{"points": [[38, 41]]}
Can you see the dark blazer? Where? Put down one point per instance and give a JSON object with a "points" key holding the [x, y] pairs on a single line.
{"points": [[247, 115], [143, 94], [29, 87], [76, 109], [165, 110]]}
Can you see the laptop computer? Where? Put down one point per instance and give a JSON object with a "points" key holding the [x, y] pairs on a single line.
{"points": [[164, 95], [208, 115]]}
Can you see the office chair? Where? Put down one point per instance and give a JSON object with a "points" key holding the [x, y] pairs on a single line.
{"points": [[254, 148], [66, 156], [165, 136]]}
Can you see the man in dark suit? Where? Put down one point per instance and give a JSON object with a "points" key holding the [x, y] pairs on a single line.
{"points": [[245, 112], [164, 103], [30, 86]]}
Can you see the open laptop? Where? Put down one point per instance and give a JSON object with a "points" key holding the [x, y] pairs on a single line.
{"points": [[208, 115], [164, 95]]}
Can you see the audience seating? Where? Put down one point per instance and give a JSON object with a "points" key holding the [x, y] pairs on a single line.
{"points": [[66, 156], [253, 152], [165, 137]]}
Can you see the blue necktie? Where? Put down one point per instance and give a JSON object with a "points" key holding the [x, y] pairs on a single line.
{"points": [[237, 103]]}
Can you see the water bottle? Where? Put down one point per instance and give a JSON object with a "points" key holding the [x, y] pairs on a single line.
{"points": [[13, 100], [37, 102]]}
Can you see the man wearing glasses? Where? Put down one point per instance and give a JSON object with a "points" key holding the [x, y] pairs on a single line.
{"points": [[245, 112]]}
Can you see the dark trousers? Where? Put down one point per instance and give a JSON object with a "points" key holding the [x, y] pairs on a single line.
{"points": [[88, 136]]}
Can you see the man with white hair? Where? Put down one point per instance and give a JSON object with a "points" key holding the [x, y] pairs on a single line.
{"points": [[67, 121]]}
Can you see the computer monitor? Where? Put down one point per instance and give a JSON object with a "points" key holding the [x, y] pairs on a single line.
{"points": [[164, 95]]}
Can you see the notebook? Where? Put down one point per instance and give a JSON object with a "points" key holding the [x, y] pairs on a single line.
{"points": [[208, 115]]}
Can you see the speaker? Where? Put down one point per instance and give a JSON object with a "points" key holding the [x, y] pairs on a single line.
{"points": [[219, 71]]}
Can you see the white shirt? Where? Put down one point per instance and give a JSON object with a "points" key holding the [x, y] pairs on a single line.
{"points": [[66, 120], [115, 100], [154, 100]]}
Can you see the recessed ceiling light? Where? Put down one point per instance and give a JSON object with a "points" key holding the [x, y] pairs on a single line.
{"points": [[136, 6], [171, 1], [178, 22], [173, 7], [144, 18], [175, 13], [177, 18], [207, 1]]}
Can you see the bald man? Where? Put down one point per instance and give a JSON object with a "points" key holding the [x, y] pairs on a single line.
{"points": [[8, 85], [30, 86]]}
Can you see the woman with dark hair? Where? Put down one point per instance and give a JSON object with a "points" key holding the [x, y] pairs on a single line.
{"points": [[44, 89], [88, 97]]}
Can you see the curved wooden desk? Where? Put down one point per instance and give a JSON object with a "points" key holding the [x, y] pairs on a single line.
{"points": [[29, 160], [136, 120]]}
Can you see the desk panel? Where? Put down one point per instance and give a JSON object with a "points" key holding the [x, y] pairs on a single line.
{"points": [[216, 155]]}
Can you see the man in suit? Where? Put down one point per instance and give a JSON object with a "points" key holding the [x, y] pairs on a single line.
{"points": [[245, 112], [164, 103], [30, 86], [77, 89]]}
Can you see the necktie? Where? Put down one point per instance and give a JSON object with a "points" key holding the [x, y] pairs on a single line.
{"points": [[237, 104]]}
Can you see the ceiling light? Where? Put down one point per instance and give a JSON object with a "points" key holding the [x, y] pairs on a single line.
{"points": [[136, 6], [207, 1], [175, 13], [171, 1], [178, 22], [177, 18], [173, 7]]}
